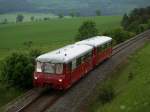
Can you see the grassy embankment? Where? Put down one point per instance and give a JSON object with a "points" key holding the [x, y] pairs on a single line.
{"points": [[46, 35], [131, 84]]}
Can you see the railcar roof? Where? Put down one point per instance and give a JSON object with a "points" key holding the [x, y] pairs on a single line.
{"points": [[65, 54], [96, 41]]}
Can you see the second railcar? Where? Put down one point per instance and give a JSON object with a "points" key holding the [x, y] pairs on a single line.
{"points": [[102, 48]]}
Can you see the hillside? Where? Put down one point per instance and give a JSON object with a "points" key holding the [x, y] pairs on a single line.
{"points": [[131, 85], [84, 7]]}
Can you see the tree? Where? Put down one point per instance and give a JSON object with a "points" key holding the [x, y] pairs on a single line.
{"points": [[46, 18], [17, 69], [28, 44], [19, 18], [98, 12], [32, 18], [134, 22], [60, 16], [87, 29], [72, 14], [5, 21], [125, 21], [142, 28]]}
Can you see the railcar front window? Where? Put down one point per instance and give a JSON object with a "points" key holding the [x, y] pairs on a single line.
{"points": [[38, 68], [59, 68], [49, 68]]}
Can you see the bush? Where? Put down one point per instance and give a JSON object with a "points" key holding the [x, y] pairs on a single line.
{"points": [[61, 16], [130, 76], [142, 28], [28, 44], [119, 35], [46, 18], [133, 27], [5, 21], [87, 29], [17, 69], [148, 25], [33, 53], [19, 18], [32, 18], [106, 94]]}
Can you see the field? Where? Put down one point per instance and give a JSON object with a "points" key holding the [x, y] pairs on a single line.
{"points": [[11, 17], [48, 35], [132, 93]]}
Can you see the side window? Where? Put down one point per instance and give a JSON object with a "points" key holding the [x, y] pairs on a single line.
{"points": [[74, 64], [110, 43], [79, 61], [106, 46], [69, 66], [88, 56], [82, 59], [103, 47], [99, 48]]}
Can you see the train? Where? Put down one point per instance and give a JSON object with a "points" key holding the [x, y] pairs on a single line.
{"points": [[63, 67]]}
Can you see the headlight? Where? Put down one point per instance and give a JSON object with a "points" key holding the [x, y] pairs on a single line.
{"points": [[60, 80], [35, 78]]}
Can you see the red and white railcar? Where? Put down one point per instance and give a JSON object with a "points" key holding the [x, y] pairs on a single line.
{"points": [[63, 67], [102, 48]]}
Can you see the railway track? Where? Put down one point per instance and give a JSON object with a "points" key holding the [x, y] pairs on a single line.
{"points": [[129, 42], [43, 102], [45, 99]]}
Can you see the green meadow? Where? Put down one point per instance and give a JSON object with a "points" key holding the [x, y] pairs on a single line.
{"points": [[132, 93], [48, 35], [44, 35], [11, 17]]}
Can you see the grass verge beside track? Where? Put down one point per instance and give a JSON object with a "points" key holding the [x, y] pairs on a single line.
{"points": [[131, 84], [7, 93]]}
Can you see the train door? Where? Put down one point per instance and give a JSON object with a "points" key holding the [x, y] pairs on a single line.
{"points": [[94, 54], [67, 74], [78, 69], [74, 71]]}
